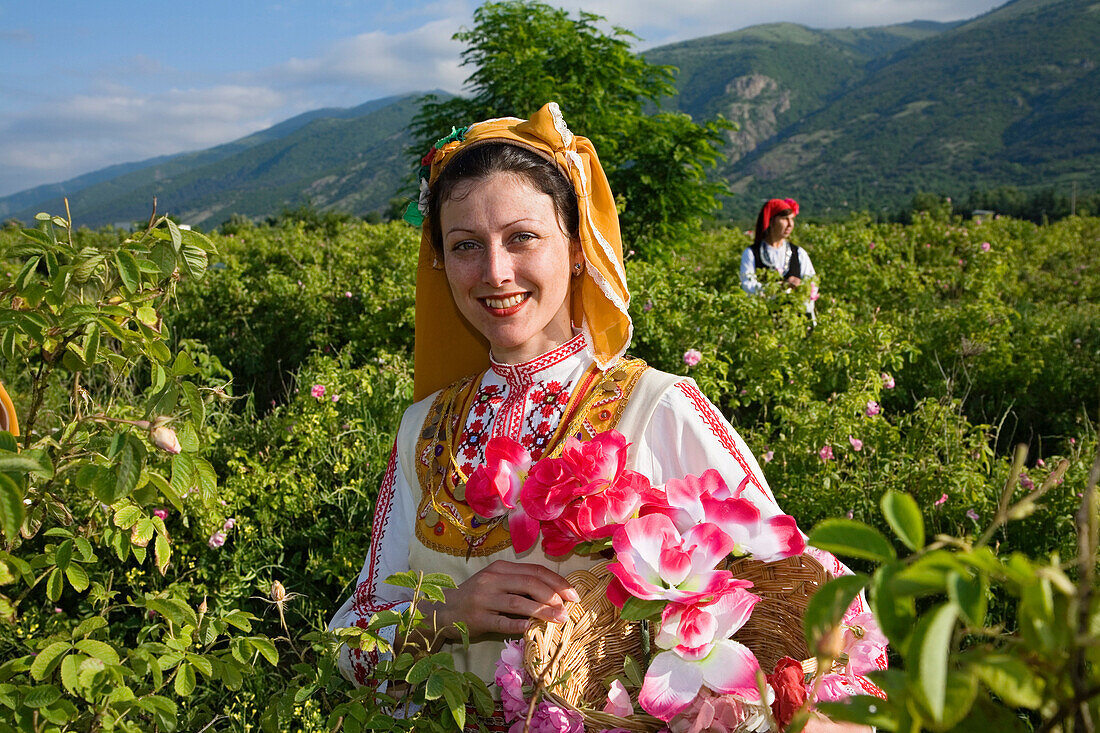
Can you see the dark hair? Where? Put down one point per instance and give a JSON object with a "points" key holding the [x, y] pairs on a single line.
{"points": [[760, 228], [483, 160]]}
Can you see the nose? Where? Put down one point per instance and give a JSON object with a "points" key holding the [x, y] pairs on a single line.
{"points": [[498, 268]]}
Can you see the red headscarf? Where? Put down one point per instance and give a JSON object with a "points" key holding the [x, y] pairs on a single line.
{"points": [[773, 207]]}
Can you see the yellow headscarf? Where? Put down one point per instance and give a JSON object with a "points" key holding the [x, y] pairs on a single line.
{"points": [[447, 346]]}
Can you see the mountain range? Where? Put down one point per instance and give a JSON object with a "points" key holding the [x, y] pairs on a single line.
{"points": [[842, 119]]}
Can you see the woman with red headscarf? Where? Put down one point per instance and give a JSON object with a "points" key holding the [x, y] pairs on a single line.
{"points": [[771, 250]]}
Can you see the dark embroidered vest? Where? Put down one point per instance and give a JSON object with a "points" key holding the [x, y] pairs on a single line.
{"points": [[794, 267], [444, 522]]}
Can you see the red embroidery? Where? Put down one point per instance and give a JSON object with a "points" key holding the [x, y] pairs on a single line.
{"points": [[364, 592], [707, 412]]}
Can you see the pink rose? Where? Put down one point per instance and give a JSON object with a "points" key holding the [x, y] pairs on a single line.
{"points": [[162, 513], [940, 501], [873, 408], [317, 391], [494, 487], [549, 487], [887, 381], [857, 444], [216, 540], [986, 246], [814, 292], [769, 456], [692, 357], [826, 452], [618, 700]]}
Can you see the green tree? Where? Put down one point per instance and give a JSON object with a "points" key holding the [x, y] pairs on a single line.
{"points": [[525, 54]]}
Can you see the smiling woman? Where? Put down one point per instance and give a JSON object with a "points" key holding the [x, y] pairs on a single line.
{"points": [[522, 325]]}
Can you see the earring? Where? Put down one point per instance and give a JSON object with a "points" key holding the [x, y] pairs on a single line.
{"points": [[577, 268]]}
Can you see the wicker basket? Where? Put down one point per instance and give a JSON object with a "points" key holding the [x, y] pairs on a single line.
{"points": [[591, 645]]}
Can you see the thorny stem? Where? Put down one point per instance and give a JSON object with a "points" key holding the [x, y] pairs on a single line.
{"points": [[1006, 496], [1087, 540], [540, 687]]}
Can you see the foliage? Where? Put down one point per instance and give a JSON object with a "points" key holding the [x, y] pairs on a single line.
{"points": [[525, 54], [281, 292], [110, 492], [1000, 349], [959, 671]]}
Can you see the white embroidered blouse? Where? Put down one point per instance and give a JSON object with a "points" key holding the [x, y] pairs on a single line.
{"points": [[686, 434]]}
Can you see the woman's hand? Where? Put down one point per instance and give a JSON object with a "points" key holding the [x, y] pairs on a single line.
{"points": [[793, 281], [501, 599]]}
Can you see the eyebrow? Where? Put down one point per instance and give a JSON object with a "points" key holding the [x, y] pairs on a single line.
{"points": [[509, 224]]}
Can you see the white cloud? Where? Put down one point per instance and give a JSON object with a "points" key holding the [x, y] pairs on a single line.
{"points": [[87, 132], [383, 63]]}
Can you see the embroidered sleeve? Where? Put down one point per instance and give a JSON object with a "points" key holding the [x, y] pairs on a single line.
{"points": [[388, 554], [749, 283], [688, 435]]}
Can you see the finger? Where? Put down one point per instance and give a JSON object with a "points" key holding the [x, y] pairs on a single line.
{"points": [[545, 577], [522, 606]]}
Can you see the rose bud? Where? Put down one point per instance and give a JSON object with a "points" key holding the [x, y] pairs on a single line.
{"points": [[165, 438]]}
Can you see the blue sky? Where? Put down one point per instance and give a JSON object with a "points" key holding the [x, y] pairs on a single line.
{"points": [[88, 83]]}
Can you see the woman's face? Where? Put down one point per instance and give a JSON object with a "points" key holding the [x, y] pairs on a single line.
{"points": [[780, 228], [508, 263]]}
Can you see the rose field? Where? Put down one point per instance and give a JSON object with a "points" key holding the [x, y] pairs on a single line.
{"points": [[204, 421]]}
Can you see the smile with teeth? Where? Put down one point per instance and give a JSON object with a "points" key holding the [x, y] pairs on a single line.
{"points": [[507, 302]]}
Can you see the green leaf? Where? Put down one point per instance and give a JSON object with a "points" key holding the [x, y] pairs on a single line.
{"points": [[77, 577], [439, 579], [89, 625], [100, 650], [928, 574], [30, 461], [202, 664], [162, 552], [895, 612], [183, 473], [54, 585], [194, 261], [968, 592], [419, 671], [70, 672], [64, 554], [11, 507], [142, 532], [195, 404], [127, 516], [1010, 679], [128, 270], [91, 345], [852, 539], [128, 469], [903, 516], [174, 232], [266, 648], [456, 700], [164, 256], [47, 659], [40, 697], [185, 680], [434, 689], [636, 609], [828, 605], [26, 275], [929, 649]]}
